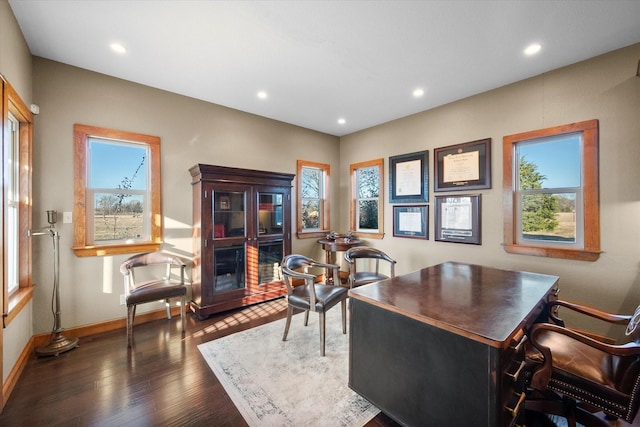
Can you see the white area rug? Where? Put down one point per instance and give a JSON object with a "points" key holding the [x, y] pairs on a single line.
{"points": [[288, 383]]}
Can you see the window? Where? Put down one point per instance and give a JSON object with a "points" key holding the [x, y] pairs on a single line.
{"points": [[367, 199], [313, 199], [17, 131], [551, 205], [117, 205], [12, 205]]}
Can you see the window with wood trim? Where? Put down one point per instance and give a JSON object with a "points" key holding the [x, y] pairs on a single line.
{"points": [[551, 199], [312, 181], [117, 198], [367, 206], [17, 142]]}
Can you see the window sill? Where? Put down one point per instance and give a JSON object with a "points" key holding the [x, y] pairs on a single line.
{"points": [[17, 301], [102, 250], [545, 251], [312, 234]]}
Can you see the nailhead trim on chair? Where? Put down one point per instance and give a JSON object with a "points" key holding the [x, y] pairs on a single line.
{"points": [[564, 388]]}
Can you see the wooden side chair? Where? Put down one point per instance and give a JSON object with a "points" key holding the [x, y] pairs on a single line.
{"points": [[151, 289], [365, 255], [578, 376], [312, 296]]}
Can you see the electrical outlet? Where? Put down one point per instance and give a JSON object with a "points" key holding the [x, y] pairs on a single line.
{"points": [[122, 300], [67, 218]]}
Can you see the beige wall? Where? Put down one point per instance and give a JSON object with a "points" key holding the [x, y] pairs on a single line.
{"points": [[604, 88], [191, 132], [15, 66]]}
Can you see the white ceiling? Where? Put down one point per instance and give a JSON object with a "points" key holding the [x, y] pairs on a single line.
{"points": [[322, 60]]}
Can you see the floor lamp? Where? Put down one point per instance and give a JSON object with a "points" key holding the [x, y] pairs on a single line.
{"points": [[58, 342]]}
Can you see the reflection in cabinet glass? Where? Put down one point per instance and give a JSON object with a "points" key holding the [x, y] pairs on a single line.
{"points": [[242, 230]]}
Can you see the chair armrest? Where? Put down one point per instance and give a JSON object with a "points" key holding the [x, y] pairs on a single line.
{"points": [[618, 319], [542, 375]]}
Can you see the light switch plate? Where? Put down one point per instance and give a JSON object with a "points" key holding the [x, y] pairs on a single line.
{"points": [[67, 218]]}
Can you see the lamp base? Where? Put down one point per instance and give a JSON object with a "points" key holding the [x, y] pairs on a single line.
{"points": [[58, 344]]}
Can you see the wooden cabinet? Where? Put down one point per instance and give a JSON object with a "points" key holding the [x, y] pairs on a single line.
{"points": [[241, 231]]}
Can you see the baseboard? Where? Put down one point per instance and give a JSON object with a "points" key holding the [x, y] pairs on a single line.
{"points": [[109, 325], [14, 375]]}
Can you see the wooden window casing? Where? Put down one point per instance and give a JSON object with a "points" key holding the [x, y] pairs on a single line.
{"points": [[379, 163], [590, 250], [81, 241], [303, 233]]}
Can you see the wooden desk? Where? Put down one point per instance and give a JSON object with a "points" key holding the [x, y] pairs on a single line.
{"points": [[431, 348]]}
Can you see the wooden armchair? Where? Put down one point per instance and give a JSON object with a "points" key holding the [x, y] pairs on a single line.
{"points": [[359, 276], [577, 376], [312, 296], [154, 289]]}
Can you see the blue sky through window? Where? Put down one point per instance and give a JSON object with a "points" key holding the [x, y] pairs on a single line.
{"points": [[111, 162], [558, 158]]}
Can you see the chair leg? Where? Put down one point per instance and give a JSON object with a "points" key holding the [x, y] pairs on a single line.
{"points": [[344, 316], [167, 305], [183, 317], [306, 318], [287, 323], [131, 313], [322, 330]]}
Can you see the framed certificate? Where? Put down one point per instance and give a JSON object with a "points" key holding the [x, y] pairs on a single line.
{"points": [[411, 221], [409, 178], [458, 219], [463, 167]]}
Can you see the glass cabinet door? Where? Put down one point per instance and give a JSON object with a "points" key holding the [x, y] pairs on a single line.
{"points": [[229, 231], [270, 236], [228, 214]]}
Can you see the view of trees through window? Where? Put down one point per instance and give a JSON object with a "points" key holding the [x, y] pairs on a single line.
{"points": [[368, 191], [312, 179], [118, 190], [548, 200]]}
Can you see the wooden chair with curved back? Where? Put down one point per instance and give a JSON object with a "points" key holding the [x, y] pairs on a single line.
{"points": [[365, 254], [578, 375], [151, 287], [307, 295]]}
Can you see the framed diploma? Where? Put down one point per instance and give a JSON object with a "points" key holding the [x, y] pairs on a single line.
{"points": [[409, 178], [463, 167], [458, 219], [411, 221]]}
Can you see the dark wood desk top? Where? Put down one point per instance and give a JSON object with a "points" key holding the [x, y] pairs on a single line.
{"points": [[483, 303]]}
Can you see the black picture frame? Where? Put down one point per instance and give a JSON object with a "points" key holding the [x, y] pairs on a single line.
{"points": [[411, 221], [409, 178], [458, 218], [463, 167]]}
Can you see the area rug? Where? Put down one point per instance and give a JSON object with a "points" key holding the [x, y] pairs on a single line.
{"points": [[287, 383]]}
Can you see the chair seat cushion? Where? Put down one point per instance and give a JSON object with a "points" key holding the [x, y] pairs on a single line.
{"points": [[156, 290], [326, 297], [362, 277], [590, 375]]}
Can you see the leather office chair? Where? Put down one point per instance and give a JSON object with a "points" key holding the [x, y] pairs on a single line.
{"points": [[311, 296], [372, 256], [576, 376], [152, 289]]}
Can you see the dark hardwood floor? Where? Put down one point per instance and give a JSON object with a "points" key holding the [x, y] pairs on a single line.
{"points": [[162, 381]]}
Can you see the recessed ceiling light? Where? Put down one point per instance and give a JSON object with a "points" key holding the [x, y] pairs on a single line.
{"points": [[417, 93], [532, 49], [118, 48], [262, 94], [341, 121]]}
